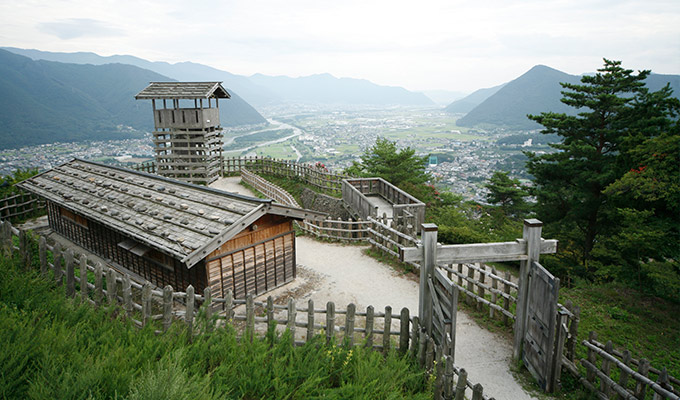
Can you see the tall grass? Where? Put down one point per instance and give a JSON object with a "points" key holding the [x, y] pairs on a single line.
{"points": [[53, 347]]}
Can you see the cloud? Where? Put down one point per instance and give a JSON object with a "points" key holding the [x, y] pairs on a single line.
{"points": [[79, 27]]}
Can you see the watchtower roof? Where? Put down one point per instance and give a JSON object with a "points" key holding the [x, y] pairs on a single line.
{"points": [[183, 90], [182, 220]]}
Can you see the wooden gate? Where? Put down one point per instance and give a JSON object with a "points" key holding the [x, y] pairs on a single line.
{"points": [[539, 339]]}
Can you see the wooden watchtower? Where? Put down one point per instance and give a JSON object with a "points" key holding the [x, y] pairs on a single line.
{"points": [[187, 135]]}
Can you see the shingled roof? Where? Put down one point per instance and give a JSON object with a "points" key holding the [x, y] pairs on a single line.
{"points": [[183, 90], [180, 219]]}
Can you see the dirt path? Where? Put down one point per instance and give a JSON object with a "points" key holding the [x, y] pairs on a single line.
{"points": [[343, 274]]}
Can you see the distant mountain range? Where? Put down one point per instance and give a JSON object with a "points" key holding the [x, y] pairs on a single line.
{"points": [[536, 91], [258, 90], [45, 102], [467, 103], [327, 89]]}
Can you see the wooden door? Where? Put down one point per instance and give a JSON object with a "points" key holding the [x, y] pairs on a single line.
{"points": [[539, 339]]}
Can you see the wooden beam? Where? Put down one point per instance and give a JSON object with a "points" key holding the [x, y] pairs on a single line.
{"points": [[478, 252]]}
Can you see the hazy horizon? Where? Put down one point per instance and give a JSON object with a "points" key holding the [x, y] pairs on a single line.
{"points": [[436, 45]]}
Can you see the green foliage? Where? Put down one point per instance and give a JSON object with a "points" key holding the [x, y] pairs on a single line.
{"points": [[395, 166], [52, 347], [644, 324], [508, 193], [7, 182], [610, 192]]}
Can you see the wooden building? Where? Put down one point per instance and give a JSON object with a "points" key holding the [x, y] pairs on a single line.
{"points": [[170, 232], [187, 135]]}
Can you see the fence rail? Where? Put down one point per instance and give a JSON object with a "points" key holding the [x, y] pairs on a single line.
{"points": [[631, 384], [318, 177], [268, 189], [20, 205]]}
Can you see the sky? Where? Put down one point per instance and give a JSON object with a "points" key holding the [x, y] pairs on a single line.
{"points": [[417, 44]]}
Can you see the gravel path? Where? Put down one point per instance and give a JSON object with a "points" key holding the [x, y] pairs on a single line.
{"points": [[343, 274]]}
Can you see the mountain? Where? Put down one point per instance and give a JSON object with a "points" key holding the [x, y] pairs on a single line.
{"points": [[259, 90], [184, 71], [538, 90], [46, 102], [467, 103], [443, 97], [327, 89]]}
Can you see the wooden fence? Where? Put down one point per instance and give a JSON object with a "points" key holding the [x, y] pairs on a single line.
{"points": [[631, 384], [318, 177], [17, 206], [404, 206], [147, 166], [268, 189], [144, 304]]}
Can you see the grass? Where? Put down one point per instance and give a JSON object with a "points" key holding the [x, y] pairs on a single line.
{"points": [[53, 347]]}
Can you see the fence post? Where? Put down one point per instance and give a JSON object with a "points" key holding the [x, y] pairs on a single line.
{"points": [[310, 319], [590, 373], [480, 288], [83, 278], [369, 327], [387, 329], [477, 392], [461, 384], [250, 317], [429, 237], [623, 378], [70, 274], [506, 299], [292, 315], [207, 305], [454, 320], [127, 295], [167, 307], [330, 320], [494, 289], [24, 250], [532, 237], [111, 285], [189, 315], [58, 272], [42, 250], [349, 324], [606, 369], [98, 283], [641, 388], [146, 304], [404, 331], [448, 378], [470, 285], [7, 245]]}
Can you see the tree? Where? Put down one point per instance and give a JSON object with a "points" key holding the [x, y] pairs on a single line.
{"points": [[570, 181], [395, 166], [508, 193], [609, 191]]}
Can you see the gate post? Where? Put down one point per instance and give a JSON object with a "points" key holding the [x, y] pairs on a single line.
{"points": [[429, 237], [532, 237]]}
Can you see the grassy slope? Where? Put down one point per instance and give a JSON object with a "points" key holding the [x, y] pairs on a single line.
{"points": [[51, 347]]}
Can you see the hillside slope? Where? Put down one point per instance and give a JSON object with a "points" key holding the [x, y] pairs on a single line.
{"points": [[538, 90], [46, 102], [467, 103]]}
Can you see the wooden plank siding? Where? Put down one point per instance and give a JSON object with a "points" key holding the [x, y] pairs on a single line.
{"points": [[255, 261], [104, 242]]}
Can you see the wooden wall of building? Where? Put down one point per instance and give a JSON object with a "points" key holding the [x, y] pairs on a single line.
{"points": [[153, 266], [257, 260]]}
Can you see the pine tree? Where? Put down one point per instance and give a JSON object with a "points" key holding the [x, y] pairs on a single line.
{"points": [[569, 183]]}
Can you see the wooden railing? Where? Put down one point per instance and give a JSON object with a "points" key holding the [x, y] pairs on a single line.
{"points": [[320, 178], [17, 206], [631, 384], [268, 189]]}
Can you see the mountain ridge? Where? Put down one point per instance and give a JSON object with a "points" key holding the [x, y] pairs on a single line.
{"points": [[45, 102], [334, 91], [537, 90]]}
